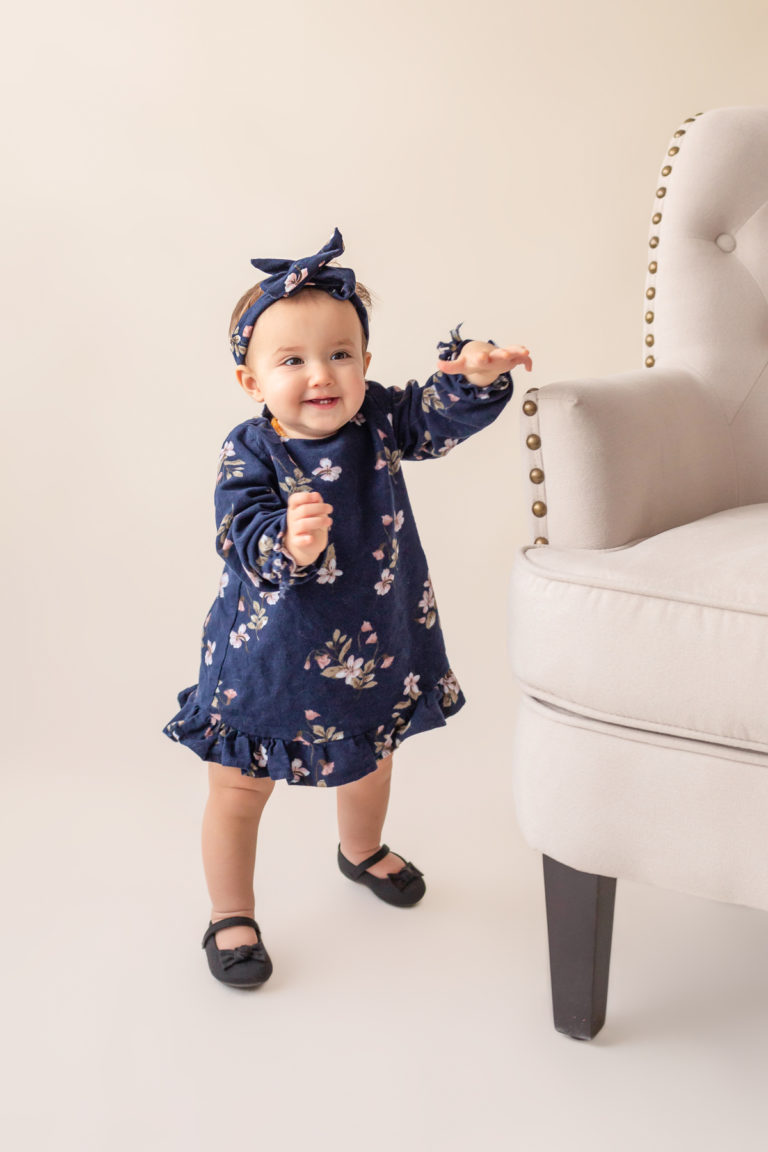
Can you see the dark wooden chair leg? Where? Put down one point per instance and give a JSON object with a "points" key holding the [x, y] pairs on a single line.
{"points": [[579, 925]]}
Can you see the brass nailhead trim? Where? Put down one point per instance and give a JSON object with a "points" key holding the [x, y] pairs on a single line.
{"points": [[530, 407], [539, 508], [541, 540], [536, 475], [661, 192], [533, 441]]}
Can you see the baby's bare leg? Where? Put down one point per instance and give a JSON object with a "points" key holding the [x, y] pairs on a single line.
{"points": [[230, 829], [361, 808]]}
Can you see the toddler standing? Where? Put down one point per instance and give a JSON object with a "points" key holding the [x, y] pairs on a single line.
{"points": [[322, 650]]}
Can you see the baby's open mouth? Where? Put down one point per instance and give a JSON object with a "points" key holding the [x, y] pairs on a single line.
{"points": [[326, 402]]}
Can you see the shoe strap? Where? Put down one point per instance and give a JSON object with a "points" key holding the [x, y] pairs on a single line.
{"points": [[230, 922], [365, 865]]}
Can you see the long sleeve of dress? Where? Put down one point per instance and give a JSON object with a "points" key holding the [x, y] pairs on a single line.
{"points": [[251, 502], [429, 420]]}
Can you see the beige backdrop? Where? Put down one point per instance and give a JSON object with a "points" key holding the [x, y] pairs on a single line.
{"points": [[493, 163]]}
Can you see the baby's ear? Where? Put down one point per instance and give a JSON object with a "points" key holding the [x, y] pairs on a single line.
{"points": [[248, 382], [367, 361]]}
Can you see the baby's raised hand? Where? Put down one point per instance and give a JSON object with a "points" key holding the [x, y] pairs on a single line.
{"points": [[306, 526], [482, 363]]}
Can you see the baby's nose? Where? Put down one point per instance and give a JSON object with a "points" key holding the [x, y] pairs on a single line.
{"points": [[319, 374]]}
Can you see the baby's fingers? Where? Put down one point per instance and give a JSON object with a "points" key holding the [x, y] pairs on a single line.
{"points": [[305, 512], [453, 367], [298, 498], [312, 524], [512, 356]]}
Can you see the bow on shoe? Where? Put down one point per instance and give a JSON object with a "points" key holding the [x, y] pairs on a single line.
{"points": [[231, 956], [407, 874]]}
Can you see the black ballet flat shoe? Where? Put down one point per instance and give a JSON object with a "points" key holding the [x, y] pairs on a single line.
{"points": [[402, 888], [246, 966]]}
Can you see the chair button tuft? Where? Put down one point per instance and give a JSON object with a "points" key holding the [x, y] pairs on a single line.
{"points": [[726, 242]]}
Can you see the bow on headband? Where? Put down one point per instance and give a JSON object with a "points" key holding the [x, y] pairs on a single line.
{"points": [[288, 276]]}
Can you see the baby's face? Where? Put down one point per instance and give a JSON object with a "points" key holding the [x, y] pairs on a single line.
{"points": [[306, 363]]}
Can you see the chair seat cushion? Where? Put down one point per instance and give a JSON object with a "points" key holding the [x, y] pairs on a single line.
{"points": [[668, 634]]}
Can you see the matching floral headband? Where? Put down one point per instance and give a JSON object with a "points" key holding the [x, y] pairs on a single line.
{"points": [[290, 276]]}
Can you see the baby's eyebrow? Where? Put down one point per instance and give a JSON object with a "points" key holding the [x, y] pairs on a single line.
{"points": [[341, 340]]}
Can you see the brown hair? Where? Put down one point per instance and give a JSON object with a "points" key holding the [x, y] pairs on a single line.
{"points": [[252, 295]]}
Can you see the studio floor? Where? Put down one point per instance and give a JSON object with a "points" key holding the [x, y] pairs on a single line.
{"points": [[381, 1028]]}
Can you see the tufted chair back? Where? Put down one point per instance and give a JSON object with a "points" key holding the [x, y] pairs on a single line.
{"points": [[707, 282]]}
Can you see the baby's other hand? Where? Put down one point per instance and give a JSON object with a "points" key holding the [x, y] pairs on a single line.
{"points": [[306, 526], [482, 363]]}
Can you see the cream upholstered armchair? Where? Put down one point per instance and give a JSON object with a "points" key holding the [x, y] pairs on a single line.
{"points": [[639, 630]]}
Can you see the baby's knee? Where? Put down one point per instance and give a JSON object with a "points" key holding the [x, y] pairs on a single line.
{"points": [[237, 790]]}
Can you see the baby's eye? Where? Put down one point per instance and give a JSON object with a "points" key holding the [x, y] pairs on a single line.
{"points": [[341, 352], [292, 360]]}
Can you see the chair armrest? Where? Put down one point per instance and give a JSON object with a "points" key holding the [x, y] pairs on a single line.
{"points": [[625, 457]]}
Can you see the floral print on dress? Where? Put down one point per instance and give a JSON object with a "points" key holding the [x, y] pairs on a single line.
{"points": [[329, 570], [428, 606], [391, 459], [298, 482], [314, 762], [229, 464], [388, 551], [258, 618], [327, 471], [299, 769], [238, 638], [451, 689], [385, 582], [431, 399], [338, 661]]}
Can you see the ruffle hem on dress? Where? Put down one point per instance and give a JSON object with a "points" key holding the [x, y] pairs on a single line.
{"points": [[306, 761]]}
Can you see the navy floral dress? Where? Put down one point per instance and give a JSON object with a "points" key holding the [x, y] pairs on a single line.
{"points": [[314, 674]]}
